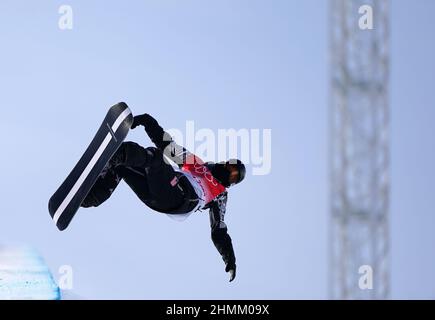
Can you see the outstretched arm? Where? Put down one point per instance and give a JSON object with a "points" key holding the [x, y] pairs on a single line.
{"points": [[220, 236]]}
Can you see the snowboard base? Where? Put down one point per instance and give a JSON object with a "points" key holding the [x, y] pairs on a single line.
{"points": [[67, 199]]}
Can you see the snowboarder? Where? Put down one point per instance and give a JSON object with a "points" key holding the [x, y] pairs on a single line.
{"points": [[194, 186]]}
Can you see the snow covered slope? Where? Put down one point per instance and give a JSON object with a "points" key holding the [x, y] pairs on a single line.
{"points": [[24, 275]]}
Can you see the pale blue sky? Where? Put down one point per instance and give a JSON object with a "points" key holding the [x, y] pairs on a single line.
{"points": [[262, 62]]}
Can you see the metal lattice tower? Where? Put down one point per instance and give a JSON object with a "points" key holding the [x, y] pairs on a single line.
{"points": [[359, 155]]}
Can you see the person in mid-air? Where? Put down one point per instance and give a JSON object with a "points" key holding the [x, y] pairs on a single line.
{"points": [[195, 185]]}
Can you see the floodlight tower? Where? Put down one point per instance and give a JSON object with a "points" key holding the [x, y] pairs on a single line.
{"points": [[359, 149]]}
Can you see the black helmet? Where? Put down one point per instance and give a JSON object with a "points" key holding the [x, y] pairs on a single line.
{"points": [[228, 173]]}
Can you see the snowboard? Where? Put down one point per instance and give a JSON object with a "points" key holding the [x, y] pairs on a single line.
{"points": [[67, 199]]}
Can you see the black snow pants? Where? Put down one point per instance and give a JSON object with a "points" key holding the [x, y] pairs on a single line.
{"points": [[146, 172]]}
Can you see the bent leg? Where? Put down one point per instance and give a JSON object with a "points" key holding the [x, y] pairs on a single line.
{"points": [[102, 189], [145, 171], [131, 154], [163, 184], [153, 180], [137, 180]]}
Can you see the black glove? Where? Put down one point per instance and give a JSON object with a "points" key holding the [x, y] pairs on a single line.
{"points": [[231, 268], [144, 120]]}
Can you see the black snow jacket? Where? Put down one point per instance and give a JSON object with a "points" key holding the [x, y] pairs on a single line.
{"points": [[217, 207]]}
